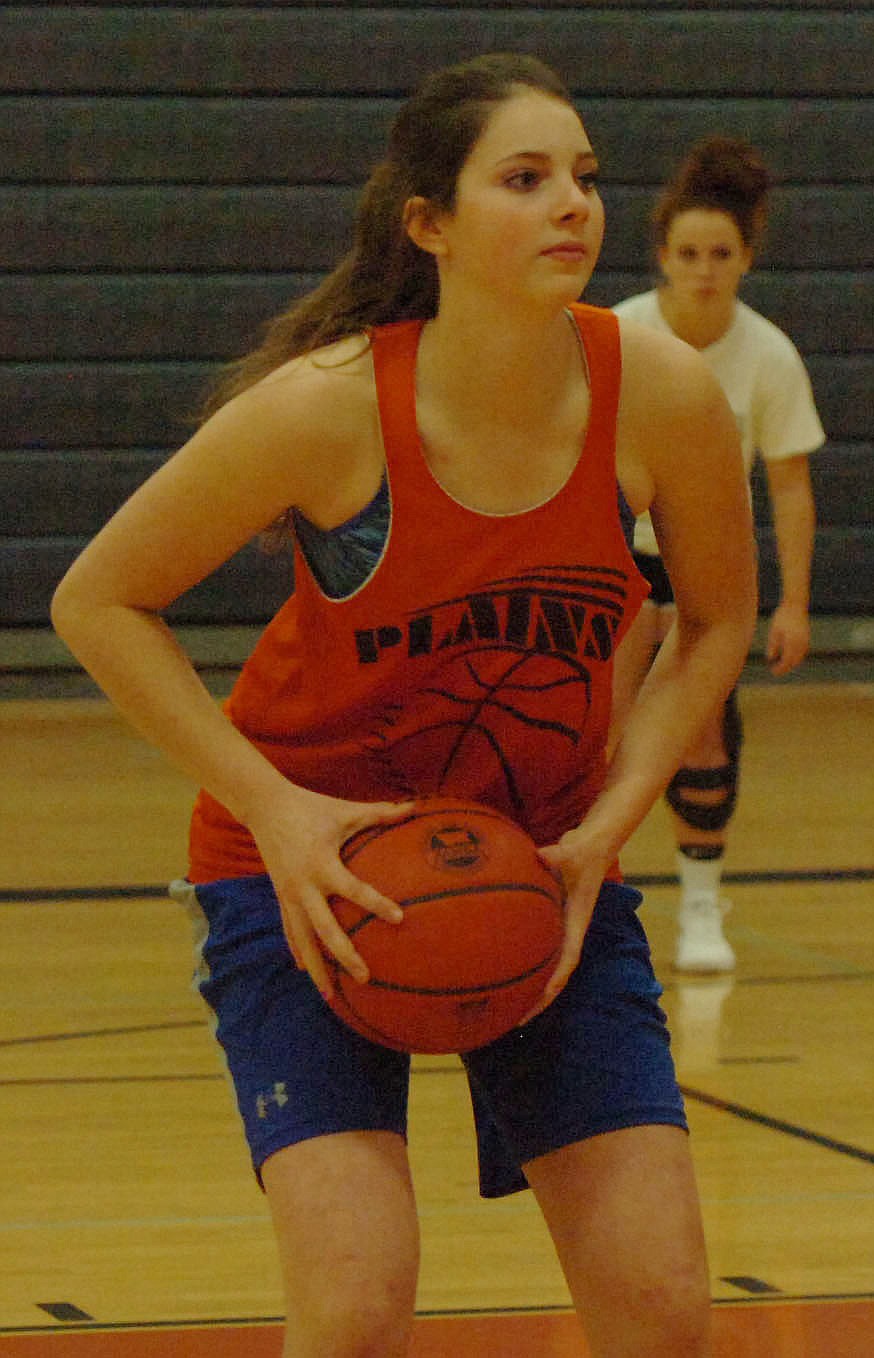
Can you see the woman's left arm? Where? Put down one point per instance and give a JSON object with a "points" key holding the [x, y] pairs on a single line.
{"points": [[794, 518], [678, 455]]}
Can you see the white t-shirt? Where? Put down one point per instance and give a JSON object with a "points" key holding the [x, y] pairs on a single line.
{"points": [[766, 383]]}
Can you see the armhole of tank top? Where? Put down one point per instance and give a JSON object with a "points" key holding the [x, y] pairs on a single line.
{"points": [[309, 569]]}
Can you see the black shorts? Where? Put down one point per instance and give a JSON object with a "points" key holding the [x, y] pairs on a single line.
{"points": [[652, 569]]}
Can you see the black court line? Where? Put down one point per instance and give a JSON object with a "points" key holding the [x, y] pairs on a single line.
{"points": [[49, 895], [64, 1311], [722, 1105], [30, 1083], [42, 895], [753, 1287], [814, 977], [758, 1060], [224, 1322], [779, 1125], [100, 1032], [83, 1034], [797, 875]]}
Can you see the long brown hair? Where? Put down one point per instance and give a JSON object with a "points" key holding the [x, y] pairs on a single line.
{"points": [[385, 277], [726, 174]]}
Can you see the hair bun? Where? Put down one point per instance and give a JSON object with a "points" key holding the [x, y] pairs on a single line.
{"points": [[726, 174], [725, 165]]}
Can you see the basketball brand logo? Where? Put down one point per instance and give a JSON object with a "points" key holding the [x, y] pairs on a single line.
{"points": [[455, 847]]}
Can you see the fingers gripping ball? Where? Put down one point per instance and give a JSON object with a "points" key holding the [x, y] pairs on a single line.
{"points": [[483, 925]]}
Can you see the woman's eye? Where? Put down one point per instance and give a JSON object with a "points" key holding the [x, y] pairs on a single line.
{"points": [[523, 179], [588, 182]]}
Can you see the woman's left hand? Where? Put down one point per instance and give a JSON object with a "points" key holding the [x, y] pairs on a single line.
{"points": [[582, 872], [788, 638]]}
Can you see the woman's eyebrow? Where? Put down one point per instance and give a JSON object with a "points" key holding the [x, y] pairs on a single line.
{"points": [[588, 156]]}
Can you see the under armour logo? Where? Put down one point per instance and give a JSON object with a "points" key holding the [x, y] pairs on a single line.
{"points": [[277, 1096]]}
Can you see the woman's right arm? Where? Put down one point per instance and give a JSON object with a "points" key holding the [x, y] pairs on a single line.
{"points": [[235, 476]]}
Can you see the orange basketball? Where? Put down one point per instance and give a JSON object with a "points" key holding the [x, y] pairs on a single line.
{"points": [[483, 925]]}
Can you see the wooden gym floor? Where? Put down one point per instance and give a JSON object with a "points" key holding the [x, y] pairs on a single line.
{"points": [[130, 1225]]}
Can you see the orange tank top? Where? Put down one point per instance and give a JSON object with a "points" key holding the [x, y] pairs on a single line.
{"points": [[475, 660]]}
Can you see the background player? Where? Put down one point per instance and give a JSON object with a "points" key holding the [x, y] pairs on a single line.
{"points": [[708, 224]]}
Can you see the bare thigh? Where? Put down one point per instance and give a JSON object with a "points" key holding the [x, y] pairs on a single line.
{"points": [[345, 1219], [623, 1212]]}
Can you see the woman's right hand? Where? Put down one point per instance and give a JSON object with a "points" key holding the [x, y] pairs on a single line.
{"points": [[300, 838]]}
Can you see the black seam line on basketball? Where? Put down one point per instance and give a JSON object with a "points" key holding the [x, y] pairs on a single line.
{"points": [[485, 988], [87, 1033], [460, 890], [778, 1125]]}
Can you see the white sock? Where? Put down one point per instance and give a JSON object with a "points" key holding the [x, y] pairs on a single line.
{"points": [[699, 876]]}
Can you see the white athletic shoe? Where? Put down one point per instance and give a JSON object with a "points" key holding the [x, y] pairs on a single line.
{"points": [[701, 945]]}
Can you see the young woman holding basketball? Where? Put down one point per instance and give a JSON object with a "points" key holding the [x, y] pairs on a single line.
{"points": [[458, 448], [708, 225]]}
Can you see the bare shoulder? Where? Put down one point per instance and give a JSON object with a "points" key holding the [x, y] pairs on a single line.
{"points": [[311, 427], [662, 374], [672, 411], [326, 392]]}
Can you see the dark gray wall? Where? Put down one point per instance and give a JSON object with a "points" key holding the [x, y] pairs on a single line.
{"points": [[171, 175]]}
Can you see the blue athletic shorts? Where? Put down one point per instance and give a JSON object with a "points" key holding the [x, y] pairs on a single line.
{"points": [[598, 1059]]}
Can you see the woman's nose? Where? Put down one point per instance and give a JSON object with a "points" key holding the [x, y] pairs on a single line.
{"points": [[576, 201]]}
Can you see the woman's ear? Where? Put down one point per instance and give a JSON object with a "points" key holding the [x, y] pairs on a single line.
{"points": [[422, 225]]}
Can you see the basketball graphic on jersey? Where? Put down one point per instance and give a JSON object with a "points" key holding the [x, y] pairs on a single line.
{"points": [[487, 720], [501, 711]]}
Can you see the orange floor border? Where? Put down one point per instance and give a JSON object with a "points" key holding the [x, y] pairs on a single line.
{"points": [[838, 1329]]}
